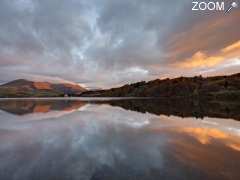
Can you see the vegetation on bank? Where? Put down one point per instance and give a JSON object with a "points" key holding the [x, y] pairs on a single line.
{"points": [[219, 87]]}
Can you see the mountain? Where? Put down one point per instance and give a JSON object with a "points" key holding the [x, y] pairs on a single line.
{"points": [[218, 87], [25, 88]]}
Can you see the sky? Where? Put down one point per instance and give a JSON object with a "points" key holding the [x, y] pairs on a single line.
{"points": [[108, 43]]}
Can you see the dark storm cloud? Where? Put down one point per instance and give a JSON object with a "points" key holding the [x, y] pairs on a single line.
{"points": [[41, 33], [133, 30], [98, 43]]}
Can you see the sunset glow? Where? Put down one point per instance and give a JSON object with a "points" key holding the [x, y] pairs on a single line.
{"points": [[112, 43]]}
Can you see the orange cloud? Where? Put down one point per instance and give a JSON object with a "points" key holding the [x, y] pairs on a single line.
{"points": [[235, 46], [203, 60], [200, 59], [204, 42]]}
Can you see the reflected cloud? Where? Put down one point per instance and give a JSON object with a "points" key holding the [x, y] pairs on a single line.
{"points": [[235, 146], [207, 136], [204, 135], [100, 141]]}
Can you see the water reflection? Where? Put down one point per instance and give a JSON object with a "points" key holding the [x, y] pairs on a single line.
{"points": [[177, 107], [98, 141], [181, 107], [27, 106]]}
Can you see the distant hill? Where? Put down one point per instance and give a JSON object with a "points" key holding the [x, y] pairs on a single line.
{"points": [[219, 87], [25, 88]]}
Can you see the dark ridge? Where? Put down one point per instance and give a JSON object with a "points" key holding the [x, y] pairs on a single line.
{"points": [[17, 82], [215, 88]]}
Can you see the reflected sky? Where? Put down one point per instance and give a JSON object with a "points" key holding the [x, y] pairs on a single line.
{"points": [[99, 141]]}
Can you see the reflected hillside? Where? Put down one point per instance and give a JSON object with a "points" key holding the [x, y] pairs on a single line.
{"points": [[181, 107], [22, 107], [176, 107], [111, 143]]}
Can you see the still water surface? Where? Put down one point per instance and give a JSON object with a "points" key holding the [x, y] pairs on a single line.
{"points": [[117, 139]]}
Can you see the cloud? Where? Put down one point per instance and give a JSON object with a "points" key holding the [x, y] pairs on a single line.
{"points": [[235, 46], [202, 60], [201, 33], [107, 43]]}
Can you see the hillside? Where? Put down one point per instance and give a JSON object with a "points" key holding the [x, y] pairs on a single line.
{"points": [[25, 88], [219, 87]]}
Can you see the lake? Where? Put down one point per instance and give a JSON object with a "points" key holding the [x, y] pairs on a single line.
{"points": [[118, 139]]}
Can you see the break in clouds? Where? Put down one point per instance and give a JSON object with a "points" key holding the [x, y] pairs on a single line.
{"points": [[111, 42]]}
